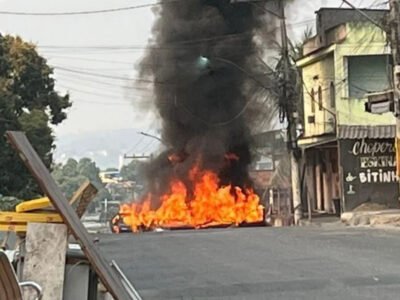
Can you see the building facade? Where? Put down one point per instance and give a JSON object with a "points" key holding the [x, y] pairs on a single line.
{"points": [[348, 154]]}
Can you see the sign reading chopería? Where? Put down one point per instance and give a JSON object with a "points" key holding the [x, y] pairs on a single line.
{"points": [[376, 160], [369, 171]]}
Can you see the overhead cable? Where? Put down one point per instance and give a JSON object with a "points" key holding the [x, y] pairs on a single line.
{"points": [[87, 12]]}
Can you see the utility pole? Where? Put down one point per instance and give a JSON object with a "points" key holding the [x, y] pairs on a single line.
{"points": [[395, 46], [286, 98], [292, 120]]}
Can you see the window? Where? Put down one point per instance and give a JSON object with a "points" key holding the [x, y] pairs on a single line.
{"points": [[265, 164], [368, 73], [320, 106], [332, 94], [312, 100]]}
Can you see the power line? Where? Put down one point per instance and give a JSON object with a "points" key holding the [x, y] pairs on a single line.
{"points": [[89, 93], [95, 50], [109, 76], [90, 59], [167, 46], [365, 15], [79, 79], [99, 85], [146, 146], [87, 12], [101, 103], [136, 144], [93, 74]]}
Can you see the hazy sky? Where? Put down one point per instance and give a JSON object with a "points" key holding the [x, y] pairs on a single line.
{"points": [[101, 103]]}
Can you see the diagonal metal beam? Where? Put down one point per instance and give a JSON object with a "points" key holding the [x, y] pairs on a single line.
{"points": [[46, 182]]}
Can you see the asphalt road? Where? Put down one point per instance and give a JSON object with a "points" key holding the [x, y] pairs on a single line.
{"points": [[261, 263]]}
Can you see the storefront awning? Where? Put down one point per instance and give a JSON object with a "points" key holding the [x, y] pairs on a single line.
{"points": [[307, 143], [366, 131]]}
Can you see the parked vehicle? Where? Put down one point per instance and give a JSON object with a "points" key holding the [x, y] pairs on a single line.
{"points": [[117, 224]]}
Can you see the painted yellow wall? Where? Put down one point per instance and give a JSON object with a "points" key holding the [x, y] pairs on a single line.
{"points": [[319, 74], [362, 39], [330, 65]]}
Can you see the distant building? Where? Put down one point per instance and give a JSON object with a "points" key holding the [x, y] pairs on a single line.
{"points": [[348, 153], [270, 171], [110, 177]]}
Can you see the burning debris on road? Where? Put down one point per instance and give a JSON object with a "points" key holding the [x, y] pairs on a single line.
{"points": [[202, 179], [209, 205]]}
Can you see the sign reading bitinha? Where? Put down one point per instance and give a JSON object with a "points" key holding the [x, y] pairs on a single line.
{"points": [[369, 172]]}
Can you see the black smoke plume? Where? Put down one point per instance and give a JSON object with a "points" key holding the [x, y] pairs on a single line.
{"points": [[205, 106]]}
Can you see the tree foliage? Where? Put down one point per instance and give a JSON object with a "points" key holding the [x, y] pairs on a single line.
{"points": [[73, 174], [28, 102], [132, 171]]}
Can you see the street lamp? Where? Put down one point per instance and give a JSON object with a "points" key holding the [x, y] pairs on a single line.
{"points": [[152, 136], [126, 156], [205, 62]]}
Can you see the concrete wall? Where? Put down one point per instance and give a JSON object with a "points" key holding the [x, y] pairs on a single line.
{"points": [[328, 18]]}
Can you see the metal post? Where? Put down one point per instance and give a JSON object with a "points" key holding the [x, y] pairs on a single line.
{"points": [[395, 47], [295, 171]]}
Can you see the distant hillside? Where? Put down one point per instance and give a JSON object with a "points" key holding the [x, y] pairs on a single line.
{"points": [[104, 147]]}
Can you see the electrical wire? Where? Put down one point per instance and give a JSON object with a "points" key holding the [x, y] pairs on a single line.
{"points": [[63, 57], [242, 111], [101, 86], [317, 102], [76, 71], [146, 146], [109, 76], [100, 103], [88, 12], [167, 46], [108, 96], [79, 79], [141, 137]]}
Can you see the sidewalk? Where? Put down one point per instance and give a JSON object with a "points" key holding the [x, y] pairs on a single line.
{"points": [[374, 218], [321, 220]]}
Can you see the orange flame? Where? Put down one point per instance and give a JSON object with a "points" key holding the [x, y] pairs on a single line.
{"points": [[210, 205], [176, 157]]}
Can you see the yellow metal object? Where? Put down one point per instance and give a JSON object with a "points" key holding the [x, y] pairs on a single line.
{"points": [[13, 227], [42, 211], [14, 217], [36, 204], [18, 222]]}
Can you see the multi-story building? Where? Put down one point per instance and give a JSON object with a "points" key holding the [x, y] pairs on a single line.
{"points": [[348, 154]]}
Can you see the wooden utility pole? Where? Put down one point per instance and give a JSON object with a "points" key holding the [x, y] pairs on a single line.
{"points": [[395, 46], [291, 133], [286, 99]]}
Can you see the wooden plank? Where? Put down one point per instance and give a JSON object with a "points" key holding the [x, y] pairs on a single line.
{"points": [[327, 186], [31, 159], [45, 255], [13, 217], [13, 227], [82, 197], [318, 184]]}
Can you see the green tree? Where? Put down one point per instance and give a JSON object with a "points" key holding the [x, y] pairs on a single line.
{"points": [[132, 171], [28, 102], [73, 174]]}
